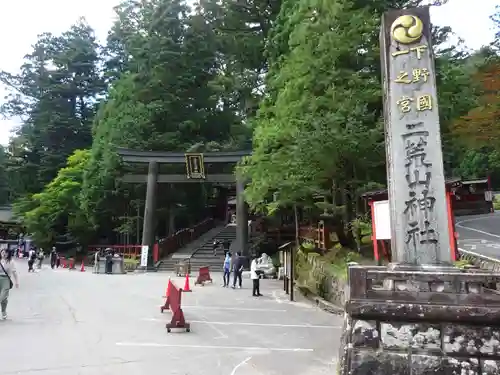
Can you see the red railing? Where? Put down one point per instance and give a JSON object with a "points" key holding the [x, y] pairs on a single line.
{"points": [[181, 238], [165, 247], [128, 251]]}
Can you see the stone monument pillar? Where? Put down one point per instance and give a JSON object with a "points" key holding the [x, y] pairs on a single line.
{"points": [[148, 228], [417, 195], [419, 315]]}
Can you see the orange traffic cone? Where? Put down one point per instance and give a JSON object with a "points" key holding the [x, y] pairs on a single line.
{"points": [[186, 284], [167, 291], [82, 268]]}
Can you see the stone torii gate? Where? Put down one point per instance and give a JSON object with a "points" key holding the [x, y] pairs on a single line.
{"points": [[195, 173]]}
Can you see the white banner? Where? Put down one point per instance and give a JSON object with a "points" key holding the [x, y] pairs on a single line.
{"points": [[144, 256], [382, 217]]}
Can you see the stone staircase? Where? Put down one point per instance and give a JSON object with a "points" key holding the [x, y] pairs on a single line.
{"points": [[204, 256], [168, 264]]}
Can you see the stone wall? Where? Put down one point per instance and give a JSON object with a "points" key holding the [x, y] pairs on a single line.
{"points": [[404, 348], [314, 274]]}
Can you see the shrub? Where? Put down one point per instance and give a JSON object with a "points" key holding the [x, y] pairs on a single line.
{"points": [[130, 264]]}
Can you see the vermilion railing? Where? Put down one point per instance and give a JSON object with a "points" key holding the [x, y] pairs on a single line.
{"points": [[163, 248], [128, 251], [181, 238]]}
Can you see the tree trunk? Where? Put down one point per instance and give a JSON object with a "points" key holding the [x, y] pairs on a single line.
{"points": [[297, 226]]}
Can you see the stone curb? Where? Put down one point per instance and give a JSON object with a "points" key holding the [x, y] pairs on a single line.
{"points": [[318, 301]]}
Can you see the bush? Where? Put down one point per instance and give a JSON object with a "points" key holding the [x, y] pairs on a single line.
{"points": [[130, 265]]}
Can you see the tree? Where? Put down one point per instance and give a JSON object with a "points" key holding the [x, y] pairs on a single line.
{"points": [[480, 127], [56, 210], [55, 95], [167, 98], [496, 21], [319, 129]]}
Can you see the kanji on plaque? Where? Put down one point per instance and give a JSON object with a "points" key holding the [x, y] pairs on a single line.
{"points": [[404, 104], [417, 75], [418, 51], [424, 103]]}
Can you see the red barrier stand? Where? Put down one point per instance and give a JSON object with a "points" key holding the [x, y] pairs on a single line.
{"points": [[166, 305], [71, 264], [203, 276], [178, 320], [63, 260]]}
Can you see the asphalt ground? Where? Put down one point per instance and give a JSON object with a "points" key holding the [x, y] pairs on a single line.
{"points": [[480, 234], [67, 322]]}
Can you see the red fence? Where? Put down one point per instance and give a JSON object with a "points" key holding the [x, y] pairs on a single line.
{"points": [[180, 238], [165, 247], [128, 251]]}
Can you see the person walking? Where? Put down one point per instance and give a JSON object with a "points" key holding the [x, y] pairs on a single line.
{"points": [[254, 275], [215, 245], [8, 279], [53, 257], [96, 262], [41, 256], [238, 270], [227, 269], [31, 260]]}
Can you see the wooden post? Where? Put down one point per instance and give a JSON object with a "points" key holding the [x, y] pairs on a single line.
{"points": [[148, 228], [413, 141]]}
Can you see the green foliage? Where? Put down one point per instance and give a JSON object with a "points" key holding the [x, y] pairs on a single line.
{"points": [[130, 264], [57, 208], [300, 76]]}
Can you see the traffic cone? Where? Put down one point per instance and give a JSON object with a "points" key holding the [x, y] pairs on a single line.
{"points": [[186, 284], [63, 262], [82, 268], [167, 291]]}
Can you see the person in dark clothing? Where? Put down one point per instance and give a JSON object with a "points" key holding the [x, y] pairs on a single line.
{"points": [[109, 262], [53, 258], [215, 245], [226, 245], [238, 270], [58, 260], [31, 260]]}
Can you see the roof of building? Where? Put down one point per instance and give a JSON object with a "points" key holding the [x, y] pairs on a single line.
{"points": [[450, 182]]}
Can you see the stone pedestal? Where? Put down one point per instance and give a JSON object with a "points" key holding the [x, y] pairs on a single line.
{"points": [[402, 322], [118, 266]]}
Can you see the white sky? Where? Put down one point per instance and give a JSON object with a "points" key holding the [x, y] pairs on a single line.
{"points": [[22, 20]]}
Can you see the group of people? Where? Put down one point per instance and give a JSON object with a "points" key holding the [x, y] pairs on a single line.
{"points": [[236, 265], [107, 254], [36, 257]]}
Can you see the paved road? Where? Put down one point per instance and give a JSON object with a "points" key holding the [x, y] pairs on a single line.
{"points": [[72, 323], [480, 234]]}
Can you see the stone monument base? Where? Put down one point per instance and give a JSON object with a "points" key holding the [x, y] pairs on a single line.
{"points": [[118, 267], [404, 320]]}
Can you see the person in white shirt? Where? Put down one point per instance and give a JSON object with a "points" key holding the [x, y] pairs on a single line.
{"points": [[8, 277], [255, 278]]}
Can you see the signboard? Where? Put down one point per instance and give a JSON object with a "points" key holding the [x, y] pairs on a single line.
{"points": [[144, 256], [382, 217], [195, 167]]}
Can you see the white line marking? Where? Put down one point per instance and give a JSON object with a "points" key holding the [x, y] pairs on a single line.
{"points": [[221, 334], [232, 308], [252, 324], [242, 363], [268, 324], [256, 348], [459, 224]]}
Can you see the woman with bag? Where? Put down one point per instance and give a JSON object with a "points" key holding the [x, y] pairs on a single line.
{"points": [[8, 278]]}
